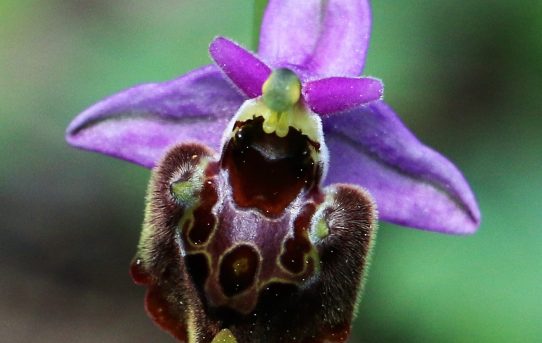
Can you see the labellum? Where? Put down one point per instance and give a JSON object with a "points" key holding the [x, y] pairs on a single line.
{"points": [[248, 246]]}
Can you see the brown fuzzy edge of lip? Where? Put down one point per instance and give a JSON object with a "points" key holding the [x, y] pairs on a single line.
{"points": [[171, 287]]}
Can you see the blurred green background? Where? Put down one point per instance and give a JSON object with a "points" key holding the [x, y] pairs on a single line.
{"points": [[466, 76]]}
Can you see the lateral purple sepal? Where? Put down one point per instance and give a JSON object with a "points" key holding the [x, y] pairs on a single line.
{"points": [[242, 67], [329, 38], [338, 94], [413, 185], [140, 123]]}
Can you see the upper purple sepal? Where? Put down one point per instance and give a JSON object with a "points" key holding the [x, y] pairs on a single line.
{"points": [[328, 38], [413, 185], [140, 123]]}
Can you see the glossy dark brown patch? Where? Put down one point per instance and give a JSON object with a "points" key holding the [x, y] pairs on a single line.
{"points": [[204, 219], [266, 171], [198, 267], [238, 269], [294, 256], [296, 249], [203, 225]]}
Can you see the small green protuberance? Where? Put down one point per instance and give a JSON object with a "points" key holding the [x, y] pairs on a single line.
{"points": [[281, 91], [270, 123], [183, 191], [283, 125], [321, 230], [224, 336]]}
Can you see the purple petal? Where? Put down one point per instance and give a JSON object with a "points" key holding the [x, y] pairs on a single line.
{"points": [[337, 94], [139, 124], [413, 185], [244, 69], [327, 37]]}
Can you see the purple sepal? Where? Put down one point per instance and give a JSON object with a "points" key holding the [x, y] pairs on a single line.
{"points": [[329, 38], [413, 185], [337, 94], [140, 123], [242, 67]]}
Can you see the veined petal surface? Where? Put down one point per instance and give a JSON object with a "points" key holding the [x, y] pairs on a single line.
{"points": [[327, 37], [413, 185], [140, 123]]}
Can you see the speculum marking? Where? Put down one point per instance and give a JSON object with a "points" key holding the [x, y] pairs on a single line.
{"points": [[238, 269]]}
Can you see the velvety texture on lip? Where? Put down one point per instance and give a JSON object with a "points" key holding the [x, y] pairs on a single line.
{"points": [[325, 44]]}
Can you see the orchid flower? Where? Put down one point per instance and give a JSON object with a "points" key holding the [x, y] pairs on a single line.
{"points": [[260, 214]]}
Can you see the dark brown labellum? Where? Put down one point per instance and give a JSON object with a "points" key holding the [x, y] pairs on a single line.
{"points": [[251, 243]]}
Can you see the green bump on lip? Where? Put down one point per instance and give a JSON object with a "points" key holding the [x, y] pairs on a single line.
{"points": [[183, 191], [321, 230], [281, 90]]}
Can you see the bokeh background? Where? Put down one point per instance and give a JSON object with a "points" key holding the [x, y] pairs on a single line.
{"points": [[466, 76]]}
